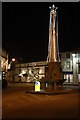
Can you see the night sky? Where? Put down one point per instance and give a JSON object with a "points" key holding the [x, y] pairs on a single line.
{"points": [[25, 29]]}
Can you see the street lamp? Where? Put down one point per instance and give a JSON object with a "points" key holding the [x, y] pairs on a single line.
{"points": [[11, 66], [73, 55], [13, 59]]}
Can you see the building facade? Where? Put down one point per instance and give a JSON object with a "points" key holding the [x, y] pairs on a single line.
{"points": [[3, 63], [27, 72], [70, 62]]}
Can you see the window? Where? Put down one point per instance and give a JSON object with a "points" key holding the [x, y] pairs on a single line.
{"points": [[68, 66], [68, 77], [68, 55]]}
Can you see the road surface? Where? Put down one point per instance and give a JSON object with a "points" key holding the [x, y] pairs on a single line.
{"points": [[16, 103]]}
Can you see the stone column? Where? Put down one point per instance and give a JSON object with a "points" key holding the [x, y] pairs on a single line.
{"points": [[75, 78]]}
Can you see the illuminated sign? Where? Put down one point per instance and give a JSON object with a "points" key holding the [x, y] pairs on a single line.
{"points": [[37, 86]]}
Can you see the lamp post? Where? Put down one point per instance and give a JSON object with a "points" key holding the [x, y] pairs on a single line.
{"points": [[12, 66], [9, 66]]}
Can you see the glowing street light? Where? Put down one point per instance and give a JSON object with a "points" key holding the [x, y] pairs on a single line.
{"points": [[74, 55], [9, 65], [13, 59]]}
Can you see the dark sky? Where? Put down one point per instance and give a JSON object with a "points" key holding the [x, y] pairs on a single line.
{"points": [[25, 29]]}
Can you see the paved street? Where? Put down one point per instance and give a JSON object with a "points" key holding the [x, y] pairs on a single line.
{"points": [[16, 103]]}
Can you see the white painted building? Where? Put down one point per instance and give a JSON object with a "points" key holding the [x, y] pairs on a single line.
{"points": [[70, 62]]}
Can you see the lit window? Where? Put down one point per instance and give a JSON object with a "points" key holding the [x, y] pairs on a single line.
{"points": [[23, 72], [30, 71], [68, 65], [40, 71]]}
